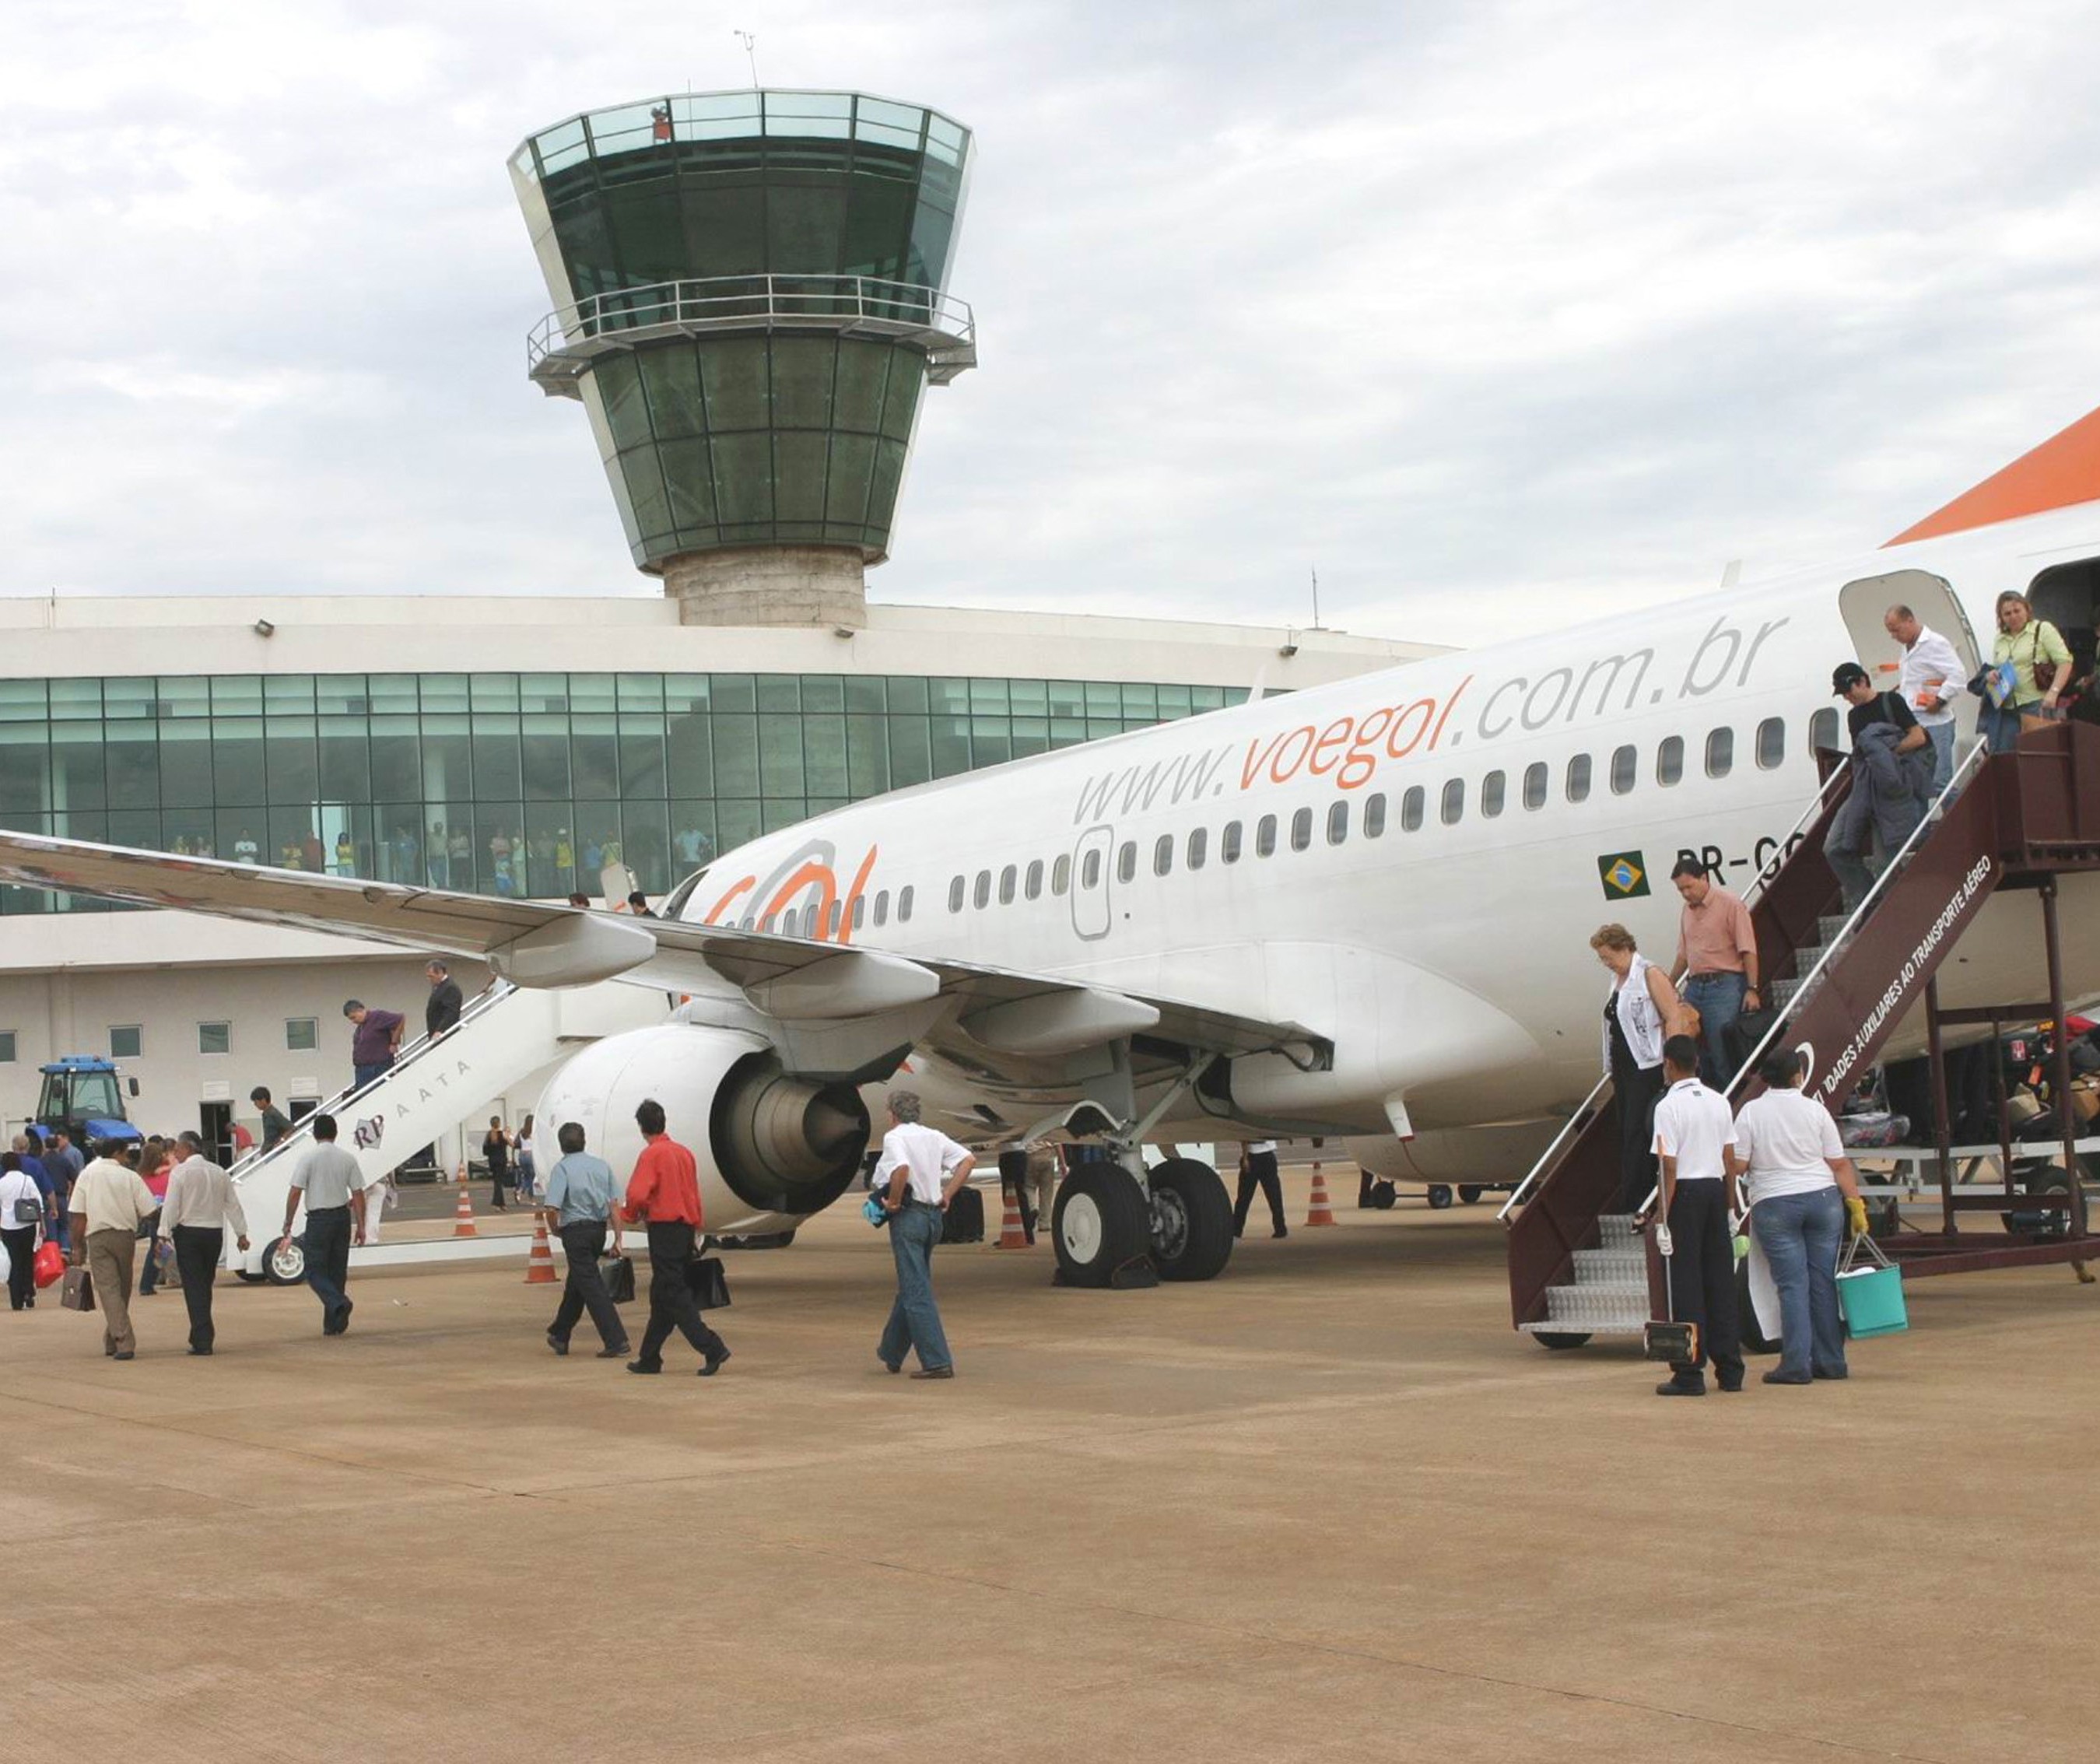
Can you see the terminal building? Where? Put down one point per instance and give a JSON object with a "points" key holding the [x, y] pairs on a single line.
{"points": [[750, 304]]}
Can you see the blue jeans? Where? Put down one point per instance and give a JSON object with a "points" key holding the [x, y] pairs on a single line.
{"points": [[366, 1074], [329, 1232], [2000, 724], [1800, 1235], [914, 1321], [1856, 870], [1719, 1001], [1941, 735]]}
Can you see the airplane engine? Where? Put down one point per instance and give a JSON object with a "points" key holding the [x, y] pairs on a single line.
{"points": [[772, 1147]]}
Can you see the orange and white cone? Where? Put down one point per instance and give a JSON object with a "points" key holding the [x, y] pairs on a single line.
{"points": [[463, 1214], [1321, 1211], [1011, 1236], [540, 1264]]}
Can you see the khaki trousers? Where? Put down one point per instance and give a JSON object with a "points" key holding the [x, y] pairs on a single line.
{"points": [[110, 1259]]}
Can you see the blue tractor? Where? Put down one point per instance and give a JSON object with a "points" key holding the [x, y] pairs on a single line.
{"points": [[84, 1094]]}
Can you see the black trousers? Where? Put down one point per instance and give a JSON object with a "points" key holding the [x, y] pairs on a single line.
{"points": [[498, 1181], [1635, 1094], [1260, 1173], [584, 1242], [672, 1305], [149, 1270], [327, 1259], [197, 1250], [1013, 1178], [1702, 1277], [21, 1243]]}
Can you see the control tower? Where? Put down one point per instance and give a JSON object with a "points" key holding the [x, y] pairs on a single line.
{"points": [[749, 297]]}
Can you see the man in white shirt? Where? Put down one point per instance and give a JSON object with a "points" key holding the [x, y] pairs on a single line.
{"points": [[919, 1172], [1932, 682], [1695, 1139], [109, 1201], [328, 1180], [194, 1217]]}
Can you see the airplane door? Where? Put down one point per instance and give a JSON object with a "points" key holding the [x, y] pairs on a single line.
{"points": [[1863, 603], [1090, 882]]}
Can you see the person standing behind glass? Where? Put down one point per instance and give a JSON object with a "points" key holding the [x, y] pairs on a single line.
{"points": [[1640, 1011], [918, 1174], [2028, 644], [1794, 1170]]}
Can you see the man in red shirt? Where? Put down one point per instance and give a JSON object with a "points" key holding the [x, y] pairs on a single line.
{"points": [[665, 1191]]}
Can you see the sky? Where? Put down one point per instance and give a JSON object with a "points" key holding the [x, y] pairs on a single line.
{"points": [[1496, 315]]}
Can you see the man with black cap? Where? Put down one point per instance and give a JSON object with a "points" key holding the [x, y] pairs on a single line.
{"points": [[1891, 780]]}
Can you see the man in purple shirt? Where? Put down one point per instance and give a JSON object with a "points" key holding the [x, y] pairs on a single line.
{"points": [[374, 1041]]}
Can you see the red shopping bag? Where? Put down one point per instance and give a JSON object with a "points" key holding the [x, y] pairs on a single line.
{"points": [[50, 1265]]}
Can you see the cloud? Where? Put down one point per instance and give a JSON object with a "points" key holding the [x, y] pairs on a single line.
{"points": [[1496, 314]]}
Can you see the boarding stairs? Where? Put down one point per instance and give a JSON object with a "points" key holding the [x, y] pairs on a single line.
{"points": [[504, 1033], [1841, 985]]}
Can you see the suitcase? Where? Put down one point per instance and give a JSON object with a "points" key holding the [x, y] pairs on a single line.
{"points": [[965, 1223], [619, 1272], [77, 1292]]}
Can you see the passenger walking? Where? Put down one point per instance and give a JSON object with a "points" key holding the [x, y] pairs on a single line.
{"points": [[495, 1153], [328, 1178], [155, 1167], [1043, 1173], [582, 1204], [380, 1194], [1257, 1170], [108, 1200], [664, 1192], [1796, 1169], [1695, 1142], [1716, 950], [918, 1174], [62, 1163], [441, 1010], [24, 1212], [528, 1175], [1640, 1011], [201, 1203], [276, 1123], [2038, 662], [1932, 678], [376, 1041], [1013, 1184], [1891, 776]]}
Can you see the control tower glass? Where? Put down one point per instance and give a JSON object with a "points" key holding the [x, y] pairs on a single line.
{"points": [[751, 293]]}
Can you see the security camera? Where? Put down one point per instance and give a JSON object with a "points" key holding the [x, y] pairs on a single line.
{"points": [[264, 627]]}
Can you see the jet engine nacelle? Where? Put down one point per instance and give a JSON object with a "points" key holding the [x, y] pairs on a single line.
{"points": [[772, 1148]]}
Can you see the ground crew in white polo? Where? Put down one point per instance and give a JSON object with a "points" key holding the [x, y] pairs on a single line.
{"points": [[1695, 1138]]}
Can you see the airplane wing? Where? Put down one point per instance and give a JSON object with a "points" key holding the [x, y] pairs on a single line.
{"points": [[999, 1017]]}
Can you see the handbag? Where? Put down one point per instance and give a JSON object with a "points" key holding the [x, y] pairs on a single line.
{"points": [[708, 1284], [1871, 1298], [49, 1263], [78, 1293], [2045, 671], [619, 1272]]}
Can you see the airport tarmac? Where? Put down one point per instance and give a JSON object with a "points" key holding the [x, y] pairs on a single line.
{"points": [[1325, 1507]]}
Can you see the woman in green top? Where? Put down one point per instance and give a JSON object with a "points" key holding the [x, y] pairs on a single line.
{"points": [[2024, 641]]}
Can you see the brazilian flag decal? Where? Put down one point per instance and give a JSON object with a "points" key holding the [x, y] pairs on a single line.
{"points": [[1624, 874]]}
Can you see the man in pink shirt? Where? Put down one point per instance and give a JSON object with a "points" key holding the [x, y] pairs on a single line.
{"points": [[1717, 953]]}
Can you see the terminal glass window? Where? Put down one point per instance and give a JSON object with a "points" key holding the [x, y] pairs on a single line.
{"points": [[1410, 810], [1493, 788], [1578, 778], [1301, 830], [302, 1035], [127, 1041], [1454, 801], [1624, 762], [1534, 785], [1772, 743], [214, 1037], [7, 1046], [1720, 751], [1670, 759]]}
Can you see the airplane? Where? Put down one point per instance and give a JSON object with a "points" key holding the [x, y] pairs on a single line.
{"points": [[1360, 910]]}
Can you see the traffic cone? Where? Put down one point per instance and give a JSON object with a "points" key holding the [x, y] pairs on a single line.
{"points": [[1011, 1236], [463, 1214], [540, 1264], [1322, 1211]]}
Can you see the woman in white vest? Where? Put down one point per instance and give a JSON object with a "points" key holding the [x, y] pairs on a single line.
{"points": [[1641, 1012]]}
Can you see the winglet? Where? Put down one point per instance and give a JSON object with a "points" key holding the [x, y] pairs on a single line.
{"points": [[2064, 469]]}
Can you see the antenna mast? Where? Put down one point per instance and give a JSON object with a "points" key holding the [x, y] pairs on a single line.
{"points": [[749, 39]]}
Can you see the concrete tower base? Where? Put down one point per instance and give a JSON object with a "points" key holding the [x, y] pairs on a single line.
{"points": [[770, 584]]}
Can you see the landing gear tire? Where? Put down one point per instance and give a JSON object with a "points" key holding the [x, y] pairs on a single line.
{"points": [[284, 1265], [1440, 1195], [1383, 1194], [1556, 1339], [1101, 1223], [1469, 1192], [1192, 1221]]}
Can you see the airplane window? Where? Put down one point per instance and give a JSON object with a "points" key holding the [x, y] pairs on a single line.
{"points": [[766, 923], [1670, 759], [1032, 884], [1374, 814], [1772, 743], [744, 923], [1091, 877], [1624, 761], [860, 910], [1301, 830], [956, 894], [1720, 751], [882, 907], [1493, 788], [981, 893], [1229, 843], [1198, 839], [832, 918], [1410, 809], [1162, 855], [1823, 729], [1264, 836], [1061, 876], [1534, 785], [1006, 878], [903, 905], [1337, 821], [1578, 778], [1126, 861], [809, 920], [1454, 801]]}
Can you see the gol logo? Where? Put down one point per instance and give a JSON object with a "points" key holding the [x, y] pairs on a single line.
{"points": [[807, 876]]}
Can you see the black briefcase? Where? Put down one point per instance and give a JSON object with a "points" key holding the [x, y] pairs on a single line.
{"points": [[964, 1222], [619, 1272], [709, 1284]]}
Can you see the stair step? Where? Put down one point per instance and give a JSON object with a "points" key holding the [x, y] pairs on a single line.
{"points": [[1608, 1304], [1784, 992], [1613, 1266], [1615, 1231], [1828, 927], [1549, 1327]]}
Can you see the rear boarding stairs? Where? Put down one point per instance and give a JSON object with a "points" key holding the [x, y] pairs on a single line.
{"points": [[1840, 986]]}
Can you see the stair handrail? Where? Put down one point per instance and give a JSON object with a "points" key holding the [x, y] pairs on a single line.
{"points": [[1586, 1110], [244, 1166]]}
